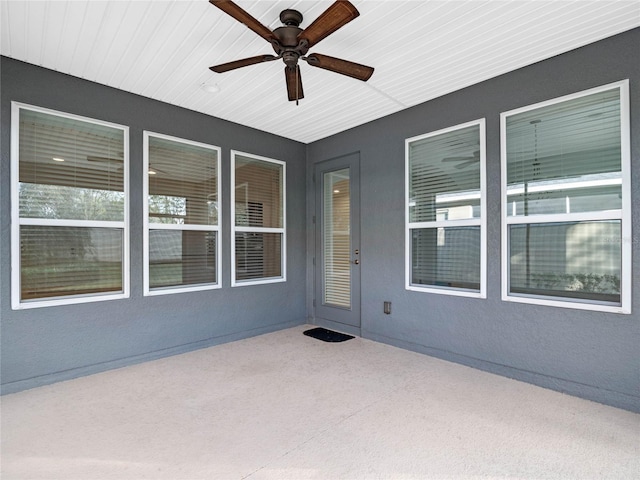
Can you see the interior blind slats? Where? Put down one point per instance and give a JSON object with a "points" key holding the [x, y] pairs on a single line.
{"points": [[182, 183], [337, 239], [183, 192], [580, 260], [181, 258], [258, 255], [258, 182], [59, 261], [444, 175], [566, 157], [259, 203], [80, 146], [70, 169], [444, 185], [446, 257]]}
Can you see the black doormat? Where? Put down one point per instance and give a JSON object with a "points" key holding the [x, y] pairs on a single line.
{"points": [[327, 335]]}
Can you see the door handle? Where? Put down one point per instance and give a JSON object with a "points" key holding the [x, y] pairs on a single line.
{"points": [[356, 262]]}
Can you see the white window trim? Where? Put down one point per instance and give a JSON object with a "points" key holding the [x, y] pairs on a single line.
{"points": [[147, 291], [624, 215], [17, 222], [234, 228], [481, 221]]}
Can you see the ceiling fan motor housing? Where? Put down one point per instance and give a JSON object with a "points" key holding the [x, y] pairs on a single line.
{"points": [[286, 43], [291, 17]]}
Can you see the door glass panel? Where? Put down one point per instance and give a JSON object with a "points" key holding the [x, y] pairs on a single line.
{"points": [[337, 239]]}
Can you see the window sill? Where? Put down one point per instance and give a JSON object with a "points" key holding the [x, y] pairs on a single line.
{"points": [[550, 302]]}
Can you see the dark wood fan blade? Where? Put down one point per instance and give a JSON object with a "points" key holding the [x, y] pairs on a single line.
{"points": [[294, 83], [345, 67], [230, 8], [334, 17], [225, 67]]}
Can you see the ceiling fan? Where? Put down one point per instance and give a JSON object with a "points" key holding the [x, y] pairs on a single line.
{"points": [[464, 161], [291, 43]]}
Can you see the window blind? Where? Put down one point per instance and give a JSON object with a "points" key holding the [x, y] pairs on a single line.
{"points": [[564, 199], [63, 261], [70, 169], [446, 257], [445, 209], [183, 185], [181, 257], [565, 157], [71, 206], [579, 260], [262, 182], [258, 255], [183, 213], [258, 219], [337, 239], [445, 173]]}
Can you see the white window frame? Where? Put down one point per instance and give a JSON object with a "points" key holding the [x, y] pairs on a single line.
{"points": [[17, 222], [178, 227], [624, 214], [235, 229], [480, 222]]}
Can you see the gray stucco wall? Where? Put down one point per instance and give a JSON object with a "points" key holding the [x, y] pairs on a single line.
{"points": [[589, 354], [43, 345]]}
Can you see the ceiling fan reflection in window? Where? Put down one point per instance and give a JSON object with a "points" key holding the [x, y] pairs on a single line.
{"points": [[112, 162], [107, 163], [464, 162], [291, 43]]}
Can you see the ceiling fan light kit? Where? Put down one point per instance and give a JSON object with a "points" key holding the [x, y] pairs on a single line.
{"points": [[291, 43]]}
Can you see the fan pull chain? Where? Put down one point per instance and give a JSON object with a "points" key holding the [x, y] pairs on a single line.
{"points": [[297, 83]]}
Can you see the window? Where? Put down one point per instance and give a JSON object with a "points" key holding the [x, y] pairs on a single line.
{"points": [[69, 208], [445, 234], [258, 212], [181, 214], [566, 205], [336, 238]]}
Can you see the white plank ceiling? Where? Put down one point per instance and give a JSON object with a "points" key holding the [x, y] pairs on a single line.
{"points": [[420, 50]]}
